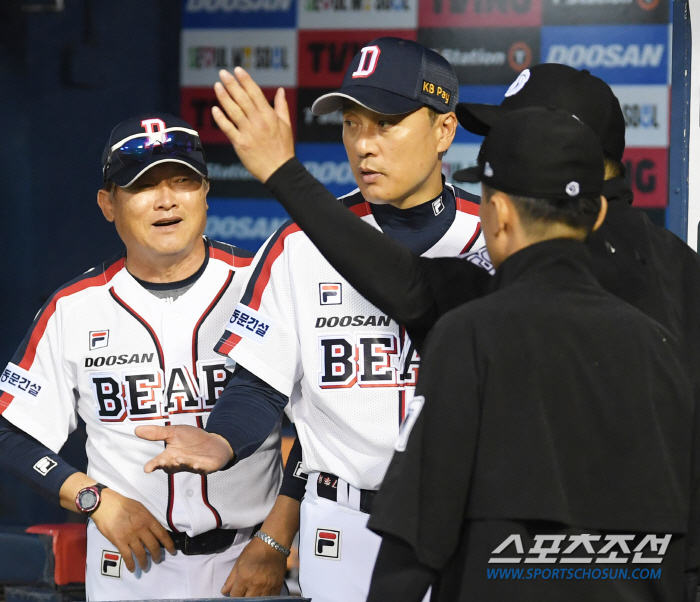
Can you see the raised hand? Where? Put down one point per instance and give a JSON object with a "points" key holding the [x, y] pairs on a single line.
{"points": [[262, 136]]}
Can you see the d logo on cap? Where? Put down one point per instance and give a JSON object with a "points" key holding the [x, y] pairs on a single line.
{"points": [[373, 53]]}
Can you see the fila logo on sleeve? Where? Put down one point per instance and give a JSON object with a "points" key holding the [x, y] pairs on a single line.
{"points": [[368, 61], [327, 544], [45, 466], [99, 339], [111, 564], [330, 293]]}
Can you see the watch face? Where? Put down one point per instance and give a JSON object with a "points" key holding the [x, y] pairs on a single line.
{"points": [[87, 500]]}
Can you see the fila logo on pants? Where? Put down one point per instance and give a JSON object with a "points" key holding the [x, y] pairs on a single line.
{"points": [[327, 544], [111, 564]]}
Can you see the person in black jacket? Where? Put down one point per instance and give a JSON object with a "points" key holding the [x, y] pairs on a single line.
{"points": [[533, 429]]}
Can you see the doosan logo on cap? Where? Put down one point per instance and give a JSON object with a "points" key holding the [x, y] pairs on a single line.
{"points": [[368, 61]]}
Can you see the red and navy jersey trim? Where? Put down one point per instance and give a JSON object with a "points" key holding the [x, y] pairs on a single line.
{"points": [[259, 279], [238, 258], [357, 204], [24, 356]]}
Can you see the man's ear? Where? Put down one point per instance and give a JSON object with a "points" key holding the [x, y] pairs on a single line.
{"points": [[504, 209], [106, 202], [448, 129], [601, 215]]}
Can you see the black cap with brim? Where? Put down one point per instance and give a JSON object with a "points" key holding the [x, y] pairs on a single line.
{"points": [[374, 99], [560, 86], [540, 152], [478, 118]]}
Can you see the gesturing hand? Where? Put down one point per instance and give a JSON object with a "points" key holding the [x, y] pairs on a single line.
{"points": [[262, 136], [188, 449], [131, 528]]}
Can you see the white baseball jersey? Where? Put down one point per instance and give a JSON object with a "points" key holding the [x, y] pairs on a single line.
{"points": [[348, 368], [105, 348]]}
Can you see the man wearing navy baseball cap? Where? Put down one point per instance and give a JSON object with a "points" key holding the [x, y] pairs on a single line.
{"points": [[397, 100], [130, 342]]}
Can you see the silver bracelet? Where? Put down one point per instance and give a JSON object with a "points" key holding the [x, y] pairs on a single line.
{"points": [[271, 542]]}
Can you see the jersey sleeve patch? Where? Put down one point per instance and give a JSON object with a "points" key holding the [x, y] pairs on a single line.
{"points": [[21, 384], [249, 324]]}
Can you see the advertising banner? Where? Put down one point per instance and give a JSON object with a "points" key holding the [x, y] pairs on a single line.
{"points": [[604, 12], [324, 56], [480, 13], [245, 223], [328, 163], [646, 114], [196, 104], [358, 14], [647, 173], [315, 128], [460, 156], [229, 14], [485, 56], [269, 55], [630, 54]]}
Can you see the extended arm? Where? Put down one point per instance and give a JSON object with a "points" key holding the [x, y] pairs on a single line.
{"points": [[412, 290], [243, 417]]}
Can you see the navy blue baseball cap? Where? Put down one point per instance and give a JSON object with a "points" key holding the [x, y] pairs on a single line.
{"points": [[393, 76], [139, 143]]}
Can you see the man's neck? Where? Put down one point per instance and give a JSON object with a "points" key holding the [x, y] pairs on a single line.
{"points": [[168, 268]]}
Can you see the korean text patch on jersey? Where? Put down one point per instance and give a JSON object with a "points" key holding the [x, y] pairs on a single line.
{"points": [[249, 324], [20, 383]]}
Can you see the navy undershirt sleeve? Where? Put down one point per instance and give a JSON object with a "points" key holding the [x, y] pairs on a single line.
{"points": [[246, 413], [294, 482], [31, 462]]}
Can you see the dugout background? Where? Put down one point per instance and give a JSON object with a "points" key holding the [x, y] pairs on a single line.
{"points": [[71, 69]]}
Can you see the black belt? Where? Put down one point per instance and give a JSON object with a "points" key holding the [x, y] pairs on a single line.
{"points": [[211, 542], [327, 487]]}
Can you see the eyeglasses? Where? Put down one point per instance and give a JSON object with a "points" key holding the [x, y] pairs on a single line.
{"points": [[140, 148]]}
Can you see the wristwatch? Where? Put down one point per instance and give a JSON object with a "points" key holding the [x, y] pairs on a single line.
{"points": [[89, 498]]}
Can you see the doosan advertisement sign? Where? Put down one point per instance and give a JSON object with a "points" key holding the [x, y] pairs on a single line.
{"points": [[632, 54], [328, 163], [228, 14], [480, 13], [245, 223]]}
